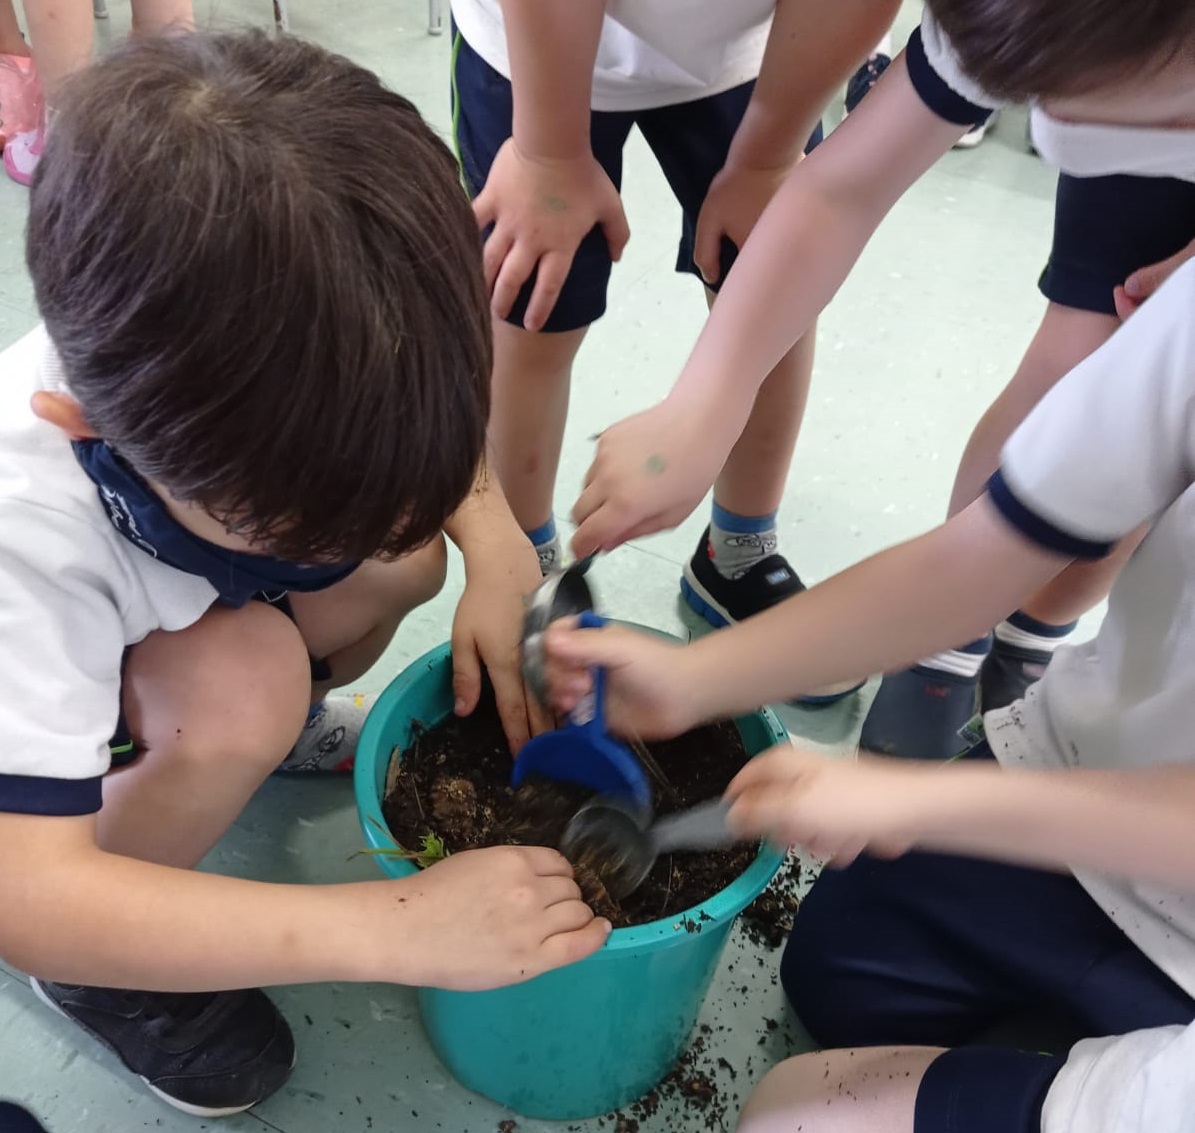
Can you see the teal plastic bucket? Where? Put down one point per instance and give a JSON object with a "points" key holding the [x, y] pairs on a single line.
{"points": [[582, 1040]]}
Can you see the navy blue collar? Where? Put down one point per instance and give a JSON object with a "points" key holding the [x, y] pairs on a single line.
{"points": [[139, 514]]}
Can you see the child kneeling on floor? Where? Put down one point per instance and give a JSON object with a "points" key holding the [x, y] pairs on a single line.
{"points": [[1052, 871], [259, 394]]}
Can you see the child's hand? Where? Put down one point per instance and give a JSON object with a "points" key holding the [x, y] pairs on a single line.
{"points": [[541, 210], [736, 200], [650, 472], [1143, 283], [833, 808], [488, 918], [488, 630], [649, 693]]}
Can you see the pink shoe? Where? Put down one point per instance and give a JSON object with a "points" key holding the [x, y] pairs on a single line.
{"points": [[20, 95], [22, 154]]}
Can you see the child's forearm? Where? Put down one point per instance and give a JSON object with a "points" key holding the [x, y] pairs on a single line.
{"points": [[1131, 824], [812, 49], [806, 242], [78, 915], [552, 48], [935, 592]]}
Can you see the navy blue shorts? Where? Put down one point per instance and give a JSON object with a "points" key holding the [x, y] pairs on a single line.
{"points": [[690, 141], [932, 950], [1106, 228]]}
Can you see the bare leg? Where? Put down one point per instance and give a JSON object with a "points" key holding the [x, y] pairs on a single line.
{"points": [[871, 1090], [753, 479], [11, 40], [61, 33], [152, 16], [1066, 336], [532, 373], [217, 707], [351, 624]]}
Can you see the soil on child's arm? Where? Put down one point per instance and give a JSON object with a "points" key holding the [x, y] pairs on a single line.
{"points": [[453, 783]]}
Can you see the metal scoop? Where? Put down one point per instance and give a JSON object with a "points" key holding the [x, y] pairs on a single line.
{"points": [[562, 594], [619, 842]]}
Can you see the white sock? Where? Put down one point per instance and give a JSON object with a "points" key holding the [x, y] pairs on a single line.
{"points": [[1023, 632], [738, 542], [965, 661], [328, 740]]}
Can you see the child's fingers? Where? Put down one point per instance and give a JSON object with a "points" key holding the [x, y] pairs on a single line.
{"points": [[569, 947], [551, 272], [466, 677], [516, 270], [777, 765], [485, 210], [1123, 304], [706, 247], [497, 248], [511, 696], [618, 231]]}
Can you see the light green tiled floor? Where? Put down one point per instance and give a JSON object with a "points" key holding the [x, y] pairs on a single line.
{"points": [[921, 338]]}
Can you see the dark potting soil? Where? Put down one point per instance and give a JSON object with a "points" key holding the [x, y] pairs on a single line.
{"points": [[453, 784]]}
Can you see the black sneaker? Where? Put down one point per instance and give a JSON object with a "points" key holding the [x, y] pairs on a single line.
{"points": [[918, 714], [1008, 672], [864, 79], [210, 1054], [725, 601], [15, 1119]]}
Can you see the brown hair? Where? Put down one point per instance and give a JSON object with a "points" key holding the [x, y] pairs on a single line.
{"points": [[265, 282], [1023, 49]]}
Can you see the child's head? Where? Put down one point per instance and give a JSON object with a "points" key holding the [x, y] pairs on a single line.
{"points": [[1129, 62], [265, 283]]}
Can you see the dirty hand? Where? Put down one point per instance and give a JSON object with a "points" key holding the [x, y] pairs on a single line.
{"points": [[541, 210], [649, 692], [488, 918], [488, 630], [834, 808], [1142, 284], [650, 472], [737, 198]]}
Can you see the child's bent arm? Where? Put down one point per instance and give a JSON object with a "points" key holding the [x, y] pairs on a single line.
{"points": [[932, 593], [1130, 824], [652, 469], [76, 914], [811, 235], [812, 49], [552, 50]]}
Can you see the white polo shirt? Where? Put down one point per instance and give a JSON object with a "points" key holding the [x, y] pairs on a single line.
{"points": [[73, 595], [1110, 448], [652, 52]]}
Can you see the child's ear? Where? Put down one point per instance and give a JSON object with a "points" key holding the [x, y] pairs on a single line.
{"points": [[63, 412]]}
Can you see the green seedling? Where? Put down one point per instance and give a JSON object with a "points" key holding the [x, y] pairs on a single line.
{"points": [[431, 849]]}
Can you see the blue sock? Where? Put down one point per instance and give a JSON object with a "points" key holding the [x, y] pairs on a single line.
{"points": [[738, 542], [546, 542]]}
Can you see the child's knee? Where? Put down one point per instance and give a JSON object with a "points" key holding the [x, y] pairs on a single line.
{"points": [[786, 1098], [426, 570], [232, 689]]}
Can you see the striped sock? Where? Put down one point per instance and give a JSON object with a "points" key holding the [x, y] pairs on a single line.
{"points": [[964, 661], [1023, 632], [546, 542], [738, 542]]}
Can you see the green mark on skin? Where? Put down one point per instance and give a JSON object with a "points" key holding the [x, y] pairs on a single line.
{"points": [[656, 465], [556, 204]]}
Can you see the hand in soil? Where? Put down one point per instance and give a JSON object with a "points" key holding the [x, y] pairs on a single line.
{"points": [[487, 631], [453, 785], [834, 808], [649, 692], [488, 918]]}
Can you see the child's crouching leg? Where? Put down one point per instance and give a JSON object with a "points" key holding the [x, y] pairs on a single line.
{"points": [[350, 624], [347, 628], [215, 708], [870, 1090]]}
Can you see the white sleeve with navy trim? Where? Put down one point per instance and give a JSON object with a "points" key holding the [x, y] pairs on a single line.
{"points": [[940, 81], [1112, 445], [1143, 1082], [61, 644]]}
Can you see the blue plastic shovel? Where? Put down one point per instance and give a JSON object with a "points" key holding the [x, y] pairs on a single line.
{"points": [[582, 752]]}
